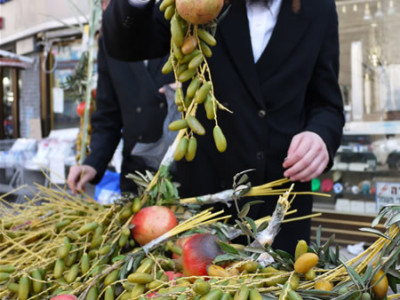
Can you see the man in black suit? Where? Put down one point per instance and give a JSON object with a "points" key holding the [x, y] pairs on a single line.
{"points": [[275, 66], [129, 105]]}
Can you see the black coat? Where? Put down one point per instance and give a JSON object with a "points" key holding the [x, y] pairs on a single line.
{"points": [[130, 106], [292, 88]]}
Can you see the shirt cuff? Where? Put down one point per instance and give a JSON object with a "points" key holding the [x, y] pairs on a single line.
{"points": [[138, 3]]}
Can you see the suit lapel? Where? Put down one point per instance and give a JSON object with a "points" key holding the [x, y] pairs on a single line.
{"points": [[235, 34], [288, 31]]}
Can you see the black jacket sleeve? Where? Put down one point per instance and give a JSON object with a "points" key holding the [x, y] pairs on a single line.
{"points": [[106, 120], [127, 30]]}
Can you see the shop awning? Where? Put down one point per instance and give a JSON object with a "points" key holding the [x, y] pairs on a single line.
{"points": [[13, 63], [9, 59]]}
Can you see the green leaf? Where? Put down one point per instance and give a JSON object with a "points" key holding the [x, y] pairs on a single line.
{"points": [[346, 296], [328, 243], [240, 175], [254, 250], [337, 254], [366, 277], [243, 179], [137, 261], [164, 172], [394, 244], [124, 271], [332, 255], [393, 282], [225, 257], [244, 211], [244, 229], [392, 220], [394, 273], [252, 225], [354, 276], [284, 254], [163, 188], [118, 258], [225, 232], [255, 202], [391, 260], [262, 226], [220, 235], [228, 248], [380, 215], [374, 231], [318, 236]]}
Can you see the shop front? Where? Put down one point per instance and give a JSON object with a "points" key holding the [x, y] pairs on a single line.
{"points": [[368, 161]]}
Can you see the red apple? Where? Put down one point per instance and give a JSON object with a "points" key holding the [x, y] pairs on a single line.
{"points": [[198, 253], [64, 297], [151, 222]]}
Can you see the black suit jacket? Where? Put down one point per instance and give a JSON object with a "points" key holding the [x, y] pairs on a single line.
{"points": [[129, 105], [292, 88]]}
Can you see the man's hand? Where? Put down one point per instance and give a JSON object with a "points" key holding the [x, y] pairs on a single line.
{"points": [[78, 176], [307, 157]]}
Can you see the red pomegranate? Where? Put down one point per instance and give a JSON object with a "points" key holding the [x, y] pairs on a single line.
{"points": [[199, 11], [198, 253], [180, 242], [151, 222]]}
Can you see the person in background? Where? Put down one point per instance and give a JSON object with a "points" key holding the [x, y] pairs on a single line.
{"points": [[275, 66], [129, 105]]}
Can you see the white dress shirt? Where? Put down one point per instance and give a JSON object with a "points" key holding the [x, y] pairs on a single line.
{"points": [[262, 22]]}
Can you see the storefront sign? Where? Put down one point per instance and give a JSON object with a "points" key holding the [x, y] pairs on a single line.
{"points": [[387, 193]]}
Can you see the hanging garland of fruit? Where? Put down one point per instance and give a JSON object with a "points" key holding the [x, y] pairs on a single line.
{"points": [[191, 26]]}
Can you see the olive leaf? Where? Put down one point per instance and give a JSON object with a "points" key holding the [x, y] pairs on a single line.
{"points": [[137, 261], [354, 276], [244, 229], [374, 231], [225, 257], [244, 211], [252, 225], [118, 258], [240, 179], [284, 254], [394, 219], [391, 260], [254, 250], [262, 226], [394, 244], [394, 279], [243, 179], [318, 236], [227, 248]]}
